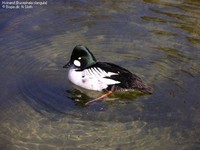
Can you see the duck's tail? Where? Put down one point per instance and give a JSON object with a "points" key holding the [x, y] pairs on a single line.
{"points": [[141, 86], [147, 90]]}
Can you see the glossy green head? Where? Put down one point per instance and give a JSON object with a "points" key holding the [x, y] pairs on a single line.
{"points": [[81, 58]]}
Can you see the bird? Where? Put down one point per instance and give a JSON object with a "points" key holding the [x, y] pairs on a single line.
{"points": [[86, 72]]}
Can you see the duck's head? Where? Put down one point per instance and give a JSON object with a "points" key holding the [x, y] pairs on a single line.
{"points": [[81, 58]]}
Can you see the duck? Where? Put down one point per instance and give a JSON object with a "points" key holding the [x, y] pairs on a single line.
{"points": [[86, 72]]}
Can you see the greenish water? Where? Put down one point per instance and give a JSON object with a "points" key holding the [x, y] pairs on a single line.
{"points": [[157, 40]]}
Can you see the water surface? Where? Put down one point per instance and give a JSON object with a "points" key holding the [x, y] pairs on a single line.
{"points": [[157, 40]]}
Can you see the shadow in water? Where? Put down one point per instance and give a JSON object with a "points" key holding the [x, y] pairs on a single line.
{"points": [[49, 97], [80, 97]]}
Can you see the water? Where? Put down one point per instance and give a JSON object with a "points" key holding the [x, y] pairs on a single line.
{"points": [[157, 40]]}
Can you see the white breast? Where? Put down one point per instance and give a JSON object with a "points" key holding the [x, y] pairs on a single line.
{"points": [[92, 79]]}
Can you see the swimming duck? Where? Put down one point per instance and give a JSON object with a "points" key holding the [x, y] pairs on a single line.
{"points": [[86, 72]]}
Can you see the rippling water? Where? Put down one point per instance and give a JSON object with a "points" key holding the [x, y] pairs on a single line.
{"points": [[158, 40]]}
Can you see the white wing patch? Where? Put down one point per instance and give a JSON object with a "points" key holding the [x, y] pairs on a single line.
{"points": [[92, 79], [98, 72], [100, 75]]}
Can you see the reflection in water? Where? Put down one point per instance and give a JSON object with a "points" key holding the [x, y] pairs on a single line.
{"points": [[158, 40]]}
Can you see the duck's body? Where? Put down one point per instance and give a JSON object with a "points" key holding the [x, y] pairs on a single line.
{"points": [[92, 78], [87, 73]]}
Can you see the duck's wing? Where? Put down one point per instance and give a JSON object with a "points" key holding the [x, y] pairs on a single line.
{"points": [[124, 78]]}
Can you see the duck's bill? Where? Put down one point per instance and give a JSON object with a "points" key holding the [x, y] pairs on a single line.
{"points": [[67, 65]]}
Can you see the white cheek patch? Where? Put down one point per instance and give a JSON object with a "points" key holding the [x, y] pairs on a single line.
{"points": [[77, 63]]}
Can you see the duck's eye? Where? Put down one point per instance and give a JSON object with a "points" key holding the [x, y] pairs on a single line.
{"points": [[77, 63], [79, 58]]}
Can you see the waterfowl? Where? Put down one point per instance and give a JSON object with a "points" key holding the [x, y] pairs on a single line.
{"points": [[86, 72]]}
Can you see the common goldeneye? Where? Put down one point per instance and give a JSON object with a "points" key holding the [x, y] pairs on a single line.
{"points": [[86, 72]]}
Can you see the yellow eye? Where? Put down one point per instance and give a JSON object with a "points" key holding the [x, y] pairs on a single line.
{"points": [[79, 58]]}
